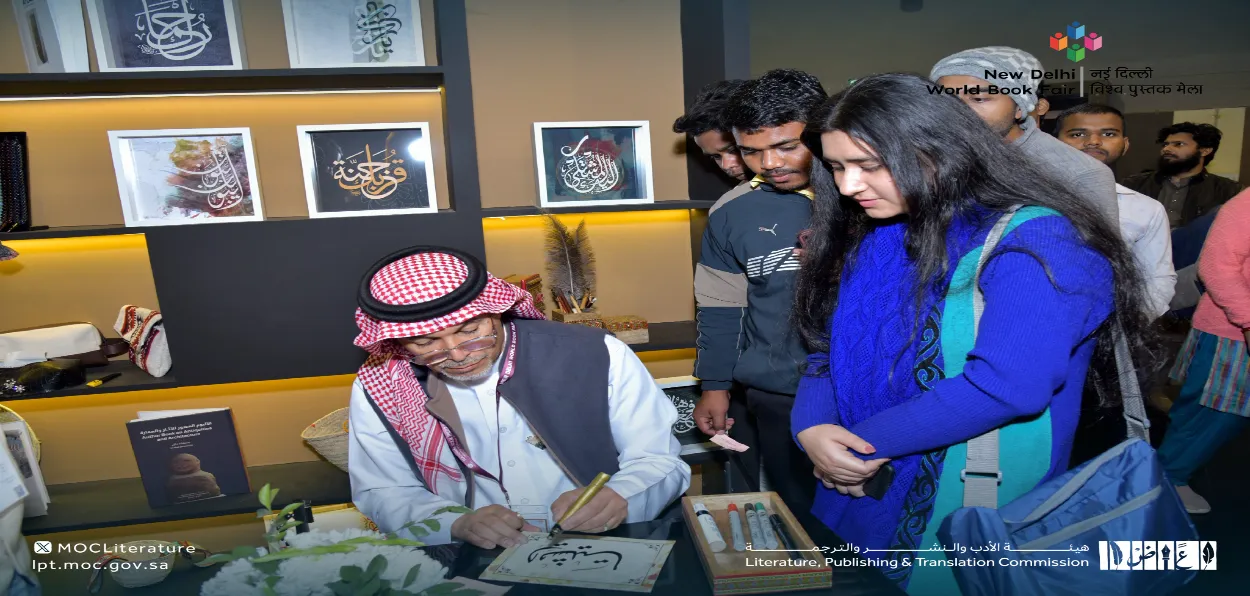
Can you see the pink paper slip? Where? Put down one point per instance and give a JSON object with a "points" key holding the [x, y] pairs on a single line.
{"points": [[728, 443]]}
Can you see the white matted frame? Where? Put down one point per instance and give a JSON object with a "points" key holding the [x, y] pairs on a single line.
{"points": [[127, 172], [423, 152], [54, 38], [320, 22], [642, 162], [180, 16]]}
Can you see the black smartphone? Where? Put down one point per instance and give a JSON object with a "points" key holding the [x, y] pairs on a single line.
{"points": [[878, 485]]}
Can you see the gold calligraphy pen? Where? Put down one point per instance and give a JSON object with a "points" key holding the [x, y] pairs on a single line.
{"points": [[593, 489]]}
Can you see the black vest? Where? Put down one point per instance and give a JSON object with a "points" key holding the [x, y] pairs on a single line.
{"points": [[560, 387]]}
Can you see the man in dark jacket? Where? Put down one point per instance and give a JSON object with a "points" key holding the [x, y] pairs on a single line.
{"points": [[744, 283], [1181, 181]]}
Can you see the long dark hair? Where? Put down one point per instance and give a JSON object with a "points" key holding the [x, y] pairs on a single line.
{"points": [[946, 163]]}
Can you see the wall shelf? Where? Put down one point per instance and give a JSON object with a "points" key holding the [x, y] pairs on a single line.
{"points": [[70, 232], [674, 335], [677, 335], [657, 206], [67, 85], [133, 379], [123, 502]]}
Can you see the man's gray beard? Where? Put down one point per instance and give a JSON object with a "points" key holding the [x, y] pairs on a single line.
{"points": [[485, 372]]}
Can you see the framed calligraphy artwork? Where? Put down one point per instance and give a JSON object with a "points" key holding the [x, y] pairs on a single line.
{"points": [[367, 169], [54, 38], [593, 163], [169, 35], [350, 33], [172, 177], [596, 562]]}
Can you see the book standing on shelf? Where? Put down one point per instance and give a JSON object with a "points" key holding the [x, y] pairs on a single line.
{"points": [[188, 455]]}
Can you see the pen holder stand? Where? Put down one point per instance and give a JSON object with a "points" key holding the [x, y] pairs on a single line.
{"points": [[748, 572], [590, 318]]}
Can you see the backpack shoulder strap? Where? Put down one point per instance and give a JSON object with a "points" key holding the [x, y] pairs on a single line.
{"points": [[981, 475]]}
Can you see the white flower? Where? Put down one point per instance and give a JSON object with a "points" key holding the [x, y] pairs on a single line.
{"points": [[310, 575]]}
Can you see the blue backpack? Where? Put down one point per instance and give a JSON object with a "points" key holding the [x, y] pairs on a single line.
{"points": [[1061, 536]]}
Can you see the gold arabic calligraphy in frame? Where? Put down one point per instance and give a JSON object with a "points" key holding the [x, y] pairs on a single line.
{"points": [[642, 161], [177, 25], [221, 186], [377, 28], [378, 176]]}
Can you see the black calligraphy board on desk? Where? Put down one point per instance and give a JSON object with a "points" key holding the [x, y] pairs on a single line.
{"points": [[367, 169], [683, 574]]}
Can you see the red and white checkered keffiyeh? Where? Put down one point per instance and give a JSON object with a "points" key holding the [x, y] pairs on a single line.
{"points": [[387, 374]]}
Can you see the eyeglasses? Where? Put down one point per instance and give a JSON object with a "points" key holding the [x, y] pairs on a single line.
{"points": [[473, 345]]}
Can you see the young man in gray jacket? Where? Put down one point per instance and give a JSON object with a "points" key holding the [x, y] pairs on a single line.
{"points": [[1002, 85], [744, 283]]}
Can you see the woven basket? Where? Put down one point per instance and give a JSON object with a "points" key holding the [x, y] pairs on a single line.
{"points": [[7, 415], [149, 574], [328, 437]]}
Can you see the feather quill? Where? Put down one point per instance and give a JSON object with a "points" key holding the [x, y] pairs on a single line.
{"points": [[570, 260]]}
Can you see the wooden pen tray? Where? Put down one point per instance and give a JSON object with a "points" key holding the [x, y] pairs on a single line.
{"points": [[752, 572]]}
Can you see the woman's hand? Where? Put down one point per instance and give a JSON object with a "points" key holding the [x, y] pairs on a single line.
{"points": [[830, 448], [854, 490]]}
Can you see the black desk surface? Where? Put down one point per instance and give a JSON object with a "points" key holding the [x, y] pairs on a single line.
{"points": [[682, 575]]}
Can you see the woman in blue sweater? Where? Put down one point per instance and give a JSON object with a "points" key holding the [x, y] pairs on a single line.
{"points": [[911, 185]]}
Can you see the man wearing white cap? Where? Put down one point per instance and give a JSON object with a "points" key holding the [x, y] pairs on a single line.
{"points": [[470, 400], [1002, 85]]}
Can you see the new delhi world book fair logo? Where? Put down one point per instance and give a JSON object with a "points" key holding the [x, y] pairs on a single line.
{"points": [[1075, 41]]}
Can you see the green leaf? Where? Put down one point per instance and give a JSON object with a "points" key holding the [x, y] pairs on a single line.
{"points": [[377, 566], [269, 591], [273, 580], [372, 587], [270, 568], [452, 509], [433, 524], [289, 509], [273, 494], [291, 553], [443, 588], [289, 524], [261, 513], [350, 573], [412, 575], [266, 497], [219, 558], [342, 588]]}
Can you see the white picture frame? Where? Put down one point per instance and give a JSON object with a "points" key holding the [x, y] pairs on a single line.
{"points": [[347, 34], [593, 149], [147, 185], [20, 445], [323, 146], [53, 35], [167, 35]]}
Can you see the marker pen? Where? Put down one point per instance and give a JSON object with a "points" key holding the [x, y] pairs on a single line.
{"points": [[710, 531], [770, 539], [757, 535], [735, 527]]}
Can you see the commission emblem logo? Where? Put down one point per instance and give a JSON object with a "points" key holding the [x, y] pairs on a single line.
{"points": [[1075, 42]]}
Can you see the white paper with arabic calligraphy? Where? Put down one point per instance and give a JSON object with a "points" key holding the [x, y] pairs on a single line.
{"points": [[597, 562]]}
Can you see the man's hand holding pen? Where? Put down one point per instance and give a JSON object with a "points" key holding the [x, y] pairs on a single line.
{"points": [[605, 511]]}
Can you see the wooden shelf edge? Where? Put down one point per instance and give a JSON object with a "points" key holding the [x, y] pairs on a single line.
{"points": [[133, 379], [656, 206], [69, 85]]}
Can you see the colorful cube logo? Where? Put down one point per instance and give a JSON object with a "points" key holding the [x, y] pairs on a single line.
{"points": [[1076, 53], [1075, 42]]}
